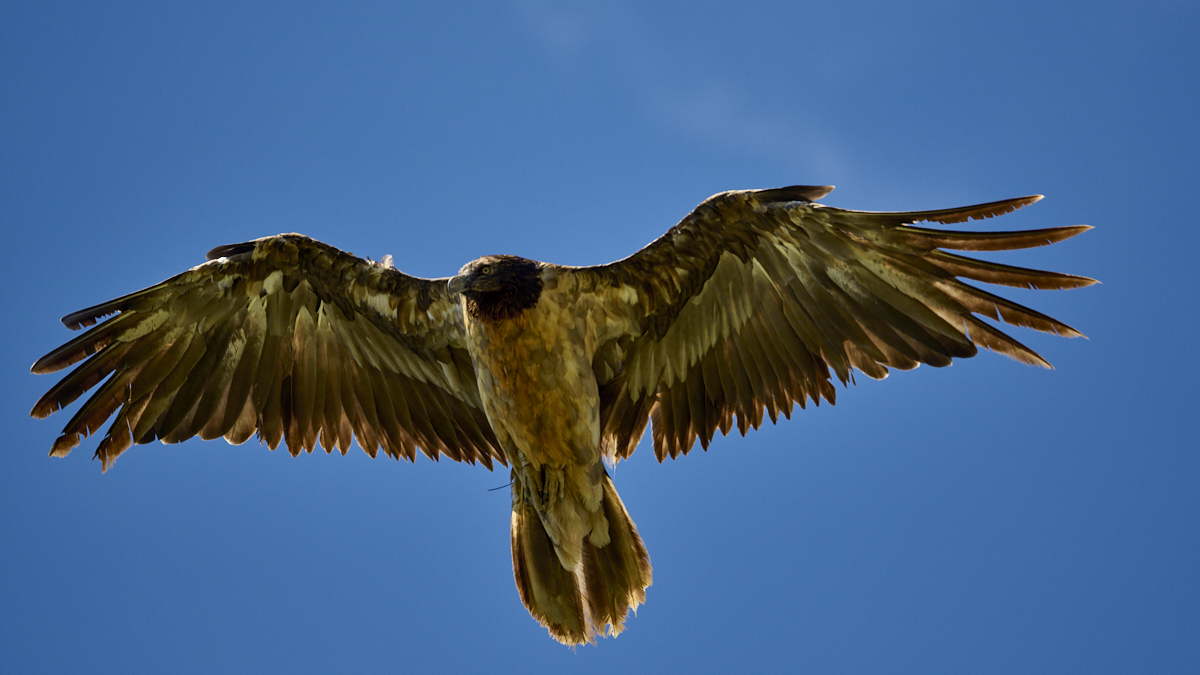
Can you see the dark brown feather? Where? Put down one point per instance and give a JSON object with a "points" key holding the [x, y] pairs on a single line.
{"points": [[989, 241]]}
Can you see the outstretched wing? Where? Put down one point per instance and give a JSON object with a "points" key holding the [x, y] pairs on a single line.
{"points": [[285, 337], [756, 297]]}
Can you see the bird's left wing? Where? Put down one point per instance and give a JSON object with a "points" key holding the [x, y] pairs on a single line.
{"points": [[753, 300], [285, 337]]}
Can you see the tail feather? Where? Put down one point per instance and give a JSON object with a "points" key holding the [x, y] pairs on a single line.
{"points": [[594, 598], [616, 574], [549, 591]]}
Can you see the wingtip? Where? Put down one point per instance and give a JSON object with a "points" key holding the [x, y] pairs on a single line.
{"points": [[86, 318], [82, 319], [41, 410], [64, 444], [230, 250], [793, 193]]}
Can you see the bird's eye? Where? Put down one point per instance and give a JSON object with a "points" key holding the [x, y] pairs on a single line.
{"points": [[486, 269]]}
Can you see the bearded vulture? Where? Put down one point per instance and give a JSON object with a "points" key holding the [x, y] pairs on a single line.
{"points": [[752, 303]]}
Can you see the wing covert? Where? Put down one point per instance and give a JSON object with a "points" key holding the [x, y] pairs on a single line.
{"points": [[285, 337]]}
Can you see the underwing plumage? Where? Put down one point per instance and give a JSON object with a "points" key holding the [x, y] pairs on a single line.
{"points": [[754, 303]]}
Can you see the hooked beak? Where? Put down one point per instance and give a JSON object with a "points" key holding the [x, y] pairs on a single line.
{"points": [[457, 284]]}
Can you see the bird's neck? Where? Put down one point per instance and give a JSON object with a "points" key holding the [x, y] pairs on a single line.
{"points": [[505, 304]]}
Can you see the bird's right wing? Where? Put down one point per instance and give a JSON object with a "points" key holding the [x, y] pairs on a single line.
{"points": [[285, 337]]}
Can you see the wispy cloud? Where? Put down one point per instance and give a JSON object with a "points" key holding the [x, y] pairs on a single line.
{"points": [[716, 109], [562, 31]]}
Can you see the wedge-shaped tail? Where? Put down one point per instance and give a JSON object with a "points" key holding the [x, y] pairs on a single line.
{"points": [[595, 597]]}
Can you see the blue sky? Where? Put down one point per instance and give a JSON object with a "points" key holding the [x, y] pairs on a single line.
{"points": [[986, 518]]}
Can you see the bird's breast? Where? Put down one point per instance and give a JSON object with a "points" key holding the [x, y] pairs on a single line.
{"points": [[537, 385]]}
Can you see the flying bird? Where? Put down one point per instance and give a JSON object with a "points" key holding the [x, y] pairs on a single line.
{"points": [[752, 304]]}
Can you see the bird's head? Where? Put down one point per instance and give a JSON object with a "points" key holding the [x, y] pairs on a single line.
{"points": [[498, 286]]}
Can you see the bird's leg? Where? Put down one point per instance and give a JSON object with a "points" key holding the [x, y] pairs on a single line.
{"points": [[553, 485], [541, 485], [520, 492]]}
